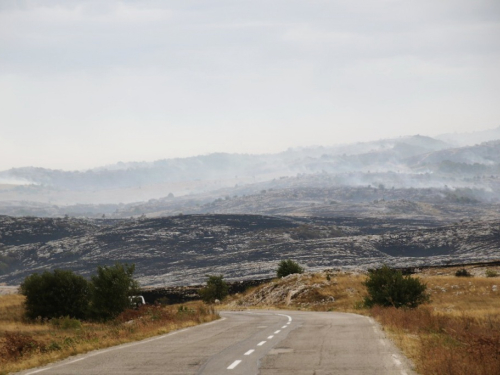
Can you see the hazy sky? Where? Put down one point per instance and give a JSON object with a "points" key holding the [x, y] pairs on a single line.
{"points": [[88, 83]]}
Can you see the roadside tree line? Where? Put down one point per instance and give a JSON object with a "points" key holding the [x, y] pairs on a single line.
{"points": [[64, 293], [108, 293]]}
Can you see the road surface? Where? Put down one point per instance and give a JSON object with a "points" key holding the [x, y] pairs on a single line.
{"points": [[251, 342]]}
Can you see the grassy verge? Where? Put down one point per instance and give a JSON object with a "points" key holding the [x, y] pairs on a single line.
{"points": [[25, 344], [458, 333]]}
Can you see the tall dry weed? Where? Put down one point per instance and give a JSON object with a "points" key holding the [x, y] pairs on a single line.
{"points": [[29, 344], [15, 345], [449, 345]]}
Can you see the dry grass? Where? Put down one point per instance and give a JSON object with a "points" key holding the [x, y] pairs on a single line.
{"points": [[457, 333], [347, 289], [26, 344], [305, 292]]}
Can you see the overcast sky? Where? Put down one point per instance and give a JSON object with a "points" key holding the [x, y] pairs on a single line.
{"points": [[89, 83]]}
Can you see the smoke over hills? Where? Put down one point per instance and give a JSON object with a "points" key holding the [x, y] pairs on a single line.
{"points": [[408, 201], [414, 162]]}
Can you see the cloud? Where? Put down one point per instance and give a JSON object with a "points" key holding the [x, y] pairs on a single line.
{"points": [[79, 75]]}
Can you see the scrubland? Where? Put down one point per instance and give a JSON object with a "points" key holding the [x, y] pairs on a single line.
{"points": [[456, 333], [25, 344]]}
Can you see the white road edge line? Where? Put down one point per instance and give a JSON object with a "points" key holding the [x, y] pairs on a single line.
{"points": [[396, 360], [261, 343], [288, 316], [234, 364], [123, 346], [250, 352]]}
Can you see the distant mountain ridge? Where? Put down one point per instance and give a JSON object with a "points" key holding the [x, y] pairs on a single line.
{"points": [[486, 153], [222, 165], [471, 138], [404, 160]]}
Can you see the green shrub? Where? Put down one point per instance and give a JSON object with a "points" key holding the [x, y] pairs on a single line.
{"points": [[55, 294], [388, 287], [216, 288], [53, 346], [184, 310], [463, 273], [491, 273], [288, 267], [66, 323], [65, 297], [111, 288]]}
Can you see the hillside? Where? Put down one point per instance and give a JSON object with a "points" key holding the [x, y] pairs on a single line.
{"points": [[470, 139], [405, 162], [485, 154], [181, 250], [303, 196]]}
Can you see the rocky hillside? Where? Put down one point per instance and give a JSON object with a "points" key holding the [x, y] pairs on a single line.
{"points": [[15, 231], [181, 250]]}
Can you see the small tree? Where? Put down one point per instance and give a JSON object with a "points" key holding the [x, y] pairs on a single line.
{"points": [[111, 288], [56, 294], [491, 273], [287, 267], [388, 287], [216, 288], [463, 273]]}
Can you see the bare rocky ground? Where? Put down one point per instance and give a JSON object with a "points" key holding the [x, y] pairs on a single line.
{"points": [[330, 288], [182, 250], [8, 289], [288, 291]]}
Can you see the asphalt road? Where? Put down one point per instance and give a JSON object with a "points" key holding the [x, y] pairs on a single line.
{"points": [[251, 342]]}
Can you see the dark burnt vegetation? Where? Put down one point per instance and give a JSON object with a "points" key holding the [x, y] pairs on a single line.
{"points": [[180, 250]]}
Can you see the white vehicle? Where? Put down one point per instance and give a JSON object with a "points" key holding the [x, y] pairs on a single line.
{"points": [[137, 301]]}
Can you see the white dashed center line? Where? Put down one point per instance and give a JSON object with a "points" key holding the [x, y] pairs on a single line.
{"points": [[234, 364], [237, 362]]}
